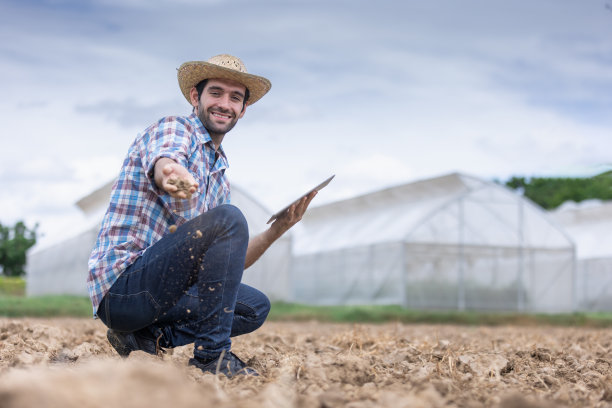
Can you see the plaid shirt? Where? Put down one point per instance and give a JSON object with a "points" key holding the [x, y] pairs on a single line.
{"points": [[139, 213]]}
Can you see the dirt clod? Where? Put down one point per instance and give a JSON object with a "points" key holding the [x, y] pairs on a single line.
{"points": [[312, 364]]}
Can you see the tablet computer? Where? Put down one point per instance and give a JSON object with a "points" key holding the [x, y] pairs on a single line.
{"points": [[317, 188]]}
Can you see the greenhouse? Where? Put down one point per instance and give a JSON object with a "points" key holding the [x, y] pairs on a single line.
{"points": [[451, 242], [590, 226]]}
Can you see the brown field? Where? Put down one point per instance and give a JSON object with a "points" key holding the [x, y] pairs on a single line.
{"points": [[68, 363]]}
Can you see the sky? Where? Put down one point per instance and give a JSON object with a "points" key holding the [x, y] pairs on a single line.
{"points": [[378, 93]]}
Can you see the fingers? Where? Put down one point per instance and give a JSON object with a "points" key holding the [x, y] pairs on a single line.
{"points": [[303, 204], [309, 198], [167, 169], [180, 187], [180, 194], [293, 214], [178, 182], [191, 190], [297, 210]]}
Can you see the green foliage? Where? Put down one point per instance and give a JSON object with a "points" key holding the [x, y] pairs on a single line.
{"points": [[12, 285], [550, 192], [45, 306], [282, 311], [80, 306], [14, 244]]}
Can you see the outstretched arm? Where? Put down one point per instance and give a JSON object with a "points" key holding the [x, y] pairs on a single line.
{"points": [[260, 243]]}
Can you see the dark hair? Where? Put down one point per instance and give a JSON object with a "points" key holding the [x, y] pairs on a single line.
{"points": [[200, 88]]}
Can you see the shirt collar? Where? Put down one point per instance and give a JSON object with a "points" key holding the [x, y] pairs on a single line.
{"points": [[201, 130], [205, 138]]}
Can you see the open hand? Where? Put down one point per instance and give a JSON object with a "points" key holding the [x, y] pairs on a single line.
{"points": [[174, 179], [293, 214]]}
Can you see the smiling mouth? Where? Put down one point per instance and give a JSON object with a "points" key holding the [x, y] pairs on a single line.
{"points": [[220, 115]]}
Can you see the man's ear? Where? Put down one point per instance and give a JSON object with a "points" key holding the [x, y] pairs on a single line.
{"points": [[193, 96], [243, 110]]}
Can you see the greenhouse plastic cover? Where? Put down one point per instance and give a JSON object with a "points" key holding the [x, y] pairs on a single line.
{"points": [[449, 209], [451, 242]]}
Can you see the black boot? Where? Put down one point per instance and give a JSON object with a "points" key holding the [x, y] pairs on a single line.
{"points": [[126, 342], [230, 365]]}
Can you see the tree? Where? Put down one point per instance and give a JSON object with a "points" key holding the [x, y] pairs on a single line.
{"points": [[14, 244], [550, 192]]}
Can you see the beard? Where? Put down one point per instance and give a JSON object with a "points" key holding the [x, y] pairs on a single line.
{"points": [[213, 128]]}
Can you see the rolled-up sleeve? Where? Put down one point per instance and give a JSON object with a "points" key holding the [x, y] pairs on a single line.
{"points": [[170, 139]]}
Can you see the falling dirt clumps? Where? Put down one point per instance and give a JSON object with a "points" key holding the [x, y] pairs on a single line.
{"points": [[69, 363]]}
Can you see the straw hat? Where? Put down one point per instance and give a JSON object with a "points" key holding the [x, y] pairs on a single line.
{"points": [[222, 66]]}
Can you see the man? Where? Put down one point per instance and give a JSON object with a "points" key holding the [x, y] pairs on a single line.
{"points": [[167, 265]]}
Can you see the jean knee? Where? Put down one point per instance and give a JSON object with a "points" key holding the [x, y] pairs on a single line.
{"points": [[250, 314], [233, 218], [263, 308]]}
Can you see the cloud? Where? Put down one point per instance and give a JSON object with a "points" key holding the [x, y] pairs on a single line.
{"points": [[418, 88], [129, 112], [156, 4], [365, 174]]}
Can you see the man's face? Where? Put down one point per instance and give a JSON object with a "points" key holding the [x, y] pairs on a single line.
{"points": [[221, 105]]}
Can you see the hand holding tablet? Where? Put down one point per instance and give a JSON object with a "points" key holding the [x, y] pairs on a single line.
{"points": [[317, 188]]}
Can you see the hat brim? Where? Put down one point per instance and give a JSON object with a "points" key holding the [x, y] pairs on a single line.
{"points": [[192, 73]]}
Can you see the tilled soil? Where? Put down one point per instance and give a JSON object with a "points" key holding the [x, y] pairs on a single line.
{"points": [[69, 363]]}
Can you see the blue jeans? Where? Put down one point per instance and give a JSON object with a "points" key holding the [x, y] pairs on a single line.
{"points": [[187, 287]]}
